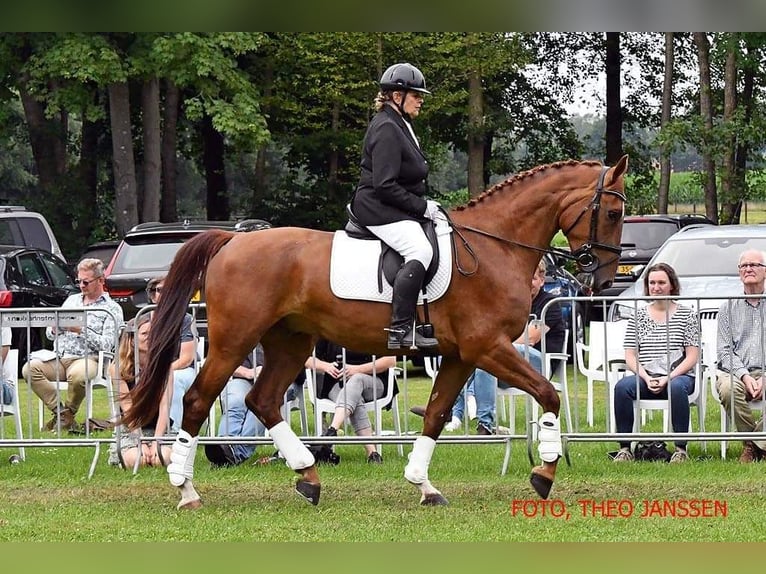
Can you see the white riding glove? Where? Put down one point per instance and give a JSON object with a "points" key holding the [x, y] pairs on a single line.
{"points": [[432, 209]]}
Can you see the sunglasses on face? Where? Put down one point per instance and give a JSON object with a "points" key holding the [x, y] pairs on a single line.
{"points": [[155, 289], [86, 282]]}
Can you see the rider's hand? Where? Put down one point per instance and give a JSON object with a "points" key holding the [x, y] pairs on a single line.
{"points": [[432, 209]]}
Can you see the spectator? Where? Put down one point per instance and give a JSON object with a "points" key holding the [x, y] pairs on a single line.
{"points": [[349, 385], [740, 352], [183, 364], [152, 453], [236, 418], [76, 349], [661, 348]]}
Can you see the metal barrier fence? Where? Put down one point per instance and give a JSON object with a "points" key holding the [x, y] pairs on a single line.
{"points": [[38, 318]]}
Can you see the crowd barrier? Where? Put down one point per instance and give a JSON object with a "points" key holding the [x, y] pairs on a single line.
{"points": [[407, 432]]}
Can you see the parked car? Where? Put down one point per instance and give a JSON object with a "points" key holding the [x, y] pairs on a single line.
{"points": [[103, 250], [705, 260], [147, 251], [642, 236], [33, 277], [21, 227]]}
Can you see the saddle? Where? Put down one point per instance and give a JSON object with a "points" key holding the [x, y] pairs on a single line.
{"points": [[390, 261]]}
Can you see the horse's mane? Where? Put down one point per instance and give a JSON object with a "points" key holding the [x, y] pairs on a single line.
{"points": [[524, 175]]}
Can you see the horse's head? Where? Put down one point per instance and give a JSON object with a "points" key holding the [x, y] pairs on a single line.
{"points": [[593, 224]]}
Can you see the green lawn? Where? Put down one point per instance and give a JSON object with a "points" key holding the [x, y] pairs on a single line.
{"points": [[362, 502]]}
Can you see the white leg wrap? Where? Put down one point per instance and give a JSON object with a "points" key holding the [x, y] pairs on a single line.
{"points": [[549, 436], [416, 470], [297, 456], [181, 465]]}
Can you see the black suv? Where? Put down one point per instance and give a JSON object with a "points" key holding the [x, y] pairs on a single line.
{"points": [[147, 251], [642, 236]]}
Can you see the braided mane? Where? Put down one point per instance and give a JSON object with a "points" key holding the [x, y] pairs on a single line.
{"points": [[516, 178]]}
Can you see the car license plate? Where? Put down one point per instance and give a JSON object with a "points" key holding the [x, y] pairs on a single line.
{"points": [[624, 269], [196, 297]]}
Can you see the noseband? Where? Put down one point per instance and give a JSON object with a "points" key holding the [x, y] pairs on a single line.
{"points": [[586, 259]]}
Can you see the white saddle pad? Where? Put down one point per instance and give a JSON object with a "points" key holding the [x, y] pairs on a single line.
{"points": [[354, 268]]}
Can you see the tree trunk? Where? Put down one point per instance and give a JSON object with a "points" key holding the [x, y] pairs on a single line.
{"points": [[150, 107], [125, 209], [88, 176], [732, 194], [743, 145], [259, 177], [215, 174], [168, 197], [667, 100], [706, 112], [475, 135], [613, 135]]}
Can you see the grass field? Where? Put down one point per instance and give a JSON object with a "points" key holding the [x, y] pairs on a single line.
{"points": [[49, 497]]}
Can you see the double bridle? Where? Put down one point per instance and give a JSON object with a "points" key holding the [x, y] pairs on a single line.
{"points": [[586, 259]]}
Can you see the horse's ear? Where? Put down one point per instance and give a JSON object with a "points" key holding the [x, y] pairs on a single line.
{"points": [[617, 171]]}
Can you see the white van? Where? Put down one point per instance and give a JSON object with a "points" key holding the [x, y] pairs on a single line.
{"points": [[29, 228]]}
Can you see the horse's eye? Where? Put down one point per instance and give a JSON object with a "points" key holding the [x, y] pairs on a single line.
{"points": [[614, 215]]}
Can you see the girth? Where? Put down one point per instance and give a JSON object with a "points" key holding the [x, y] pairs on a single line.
{"points": [[390, 261]]}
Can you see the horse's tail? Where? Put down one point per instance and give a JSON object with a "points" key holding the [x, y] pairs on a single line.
{"points": [[186, 276]]}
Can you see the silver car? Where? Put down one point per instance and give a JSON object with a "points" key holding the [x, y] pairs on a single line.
{"points": [[705, 259]]}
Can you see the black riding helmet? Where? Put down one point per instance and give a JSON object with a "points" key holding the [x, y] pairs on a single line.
{"points": [[403, 77]]}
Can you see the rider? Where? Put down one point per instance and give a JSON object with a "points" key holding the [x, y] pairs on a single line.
{"points": [[389, 198]]}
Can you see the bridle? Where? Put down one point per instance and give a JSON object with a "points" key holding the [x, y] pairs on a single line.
{"points": [[584, 256], [586, 259]]}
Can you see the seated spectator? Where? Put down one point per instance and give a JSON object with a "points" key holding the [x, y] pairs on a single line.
{"points": [[77, 348], [661, 348], [183, 364], [152, 454], [349, 385], [740, 353], [236, 418]]}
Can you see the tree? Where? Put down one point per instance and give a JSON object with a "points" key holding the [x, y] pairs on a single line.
{"points": [[667, 102]]}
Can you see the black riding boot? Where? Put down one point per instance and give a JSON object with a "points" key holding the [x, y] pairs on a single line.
{"points": [[407, 285]]}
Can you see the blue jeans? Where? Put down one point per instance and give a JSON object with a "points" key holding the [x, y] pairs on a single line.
{"points": [[482, 386], [7, 397], [182, 380], [625, 393], [535, 358], [237, 419]]}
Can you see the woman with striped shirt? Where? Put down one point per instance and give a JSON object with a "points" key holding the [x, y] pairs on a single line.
{"points": [[661, 348]]}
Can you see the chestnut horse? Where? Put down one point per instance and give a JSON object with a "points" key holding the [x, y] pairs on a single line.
{"points": [[273, 287]]}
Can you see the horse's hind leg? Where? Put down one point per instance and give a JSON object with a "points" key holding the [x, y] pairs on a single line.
{"points": [[285, 354], [451, 378]]}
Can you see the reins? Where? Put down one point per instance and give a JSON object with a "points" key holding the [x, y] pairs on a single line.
{"points": [[584, 256]]}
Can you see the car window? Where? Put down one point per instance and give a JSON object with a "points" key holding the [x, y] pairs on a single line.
{"points": [[32, 270], [57, 270], [719, 254], [155, 255], [647, 234]]}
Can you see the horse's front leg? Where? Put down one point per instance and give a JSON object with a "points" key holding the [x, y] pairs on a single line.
{"points": [[451, 378], [516, 371]]}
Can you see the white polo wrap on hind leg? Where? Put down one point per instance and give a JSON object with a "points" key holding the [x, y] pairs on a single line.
{"points": [[549, 435], [416, 470], [297, 456], [182, 455]]}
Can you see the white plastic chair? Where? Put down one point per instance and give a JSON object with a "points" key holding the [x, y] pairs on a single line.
{"points": [[322, 406], [297, 404], [605, 343], [10, 374], [100, 379]]}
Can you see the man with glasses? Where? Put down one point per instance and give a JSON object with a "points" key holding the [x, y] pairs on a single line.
{"points": [[76, 348], [740, 348], [182, 366]]}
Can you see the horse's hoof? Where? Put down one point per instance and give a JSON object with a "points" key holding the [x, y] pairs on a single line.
{"points": [[190, 504], [308, 491], [541, 484], [434, 499]]}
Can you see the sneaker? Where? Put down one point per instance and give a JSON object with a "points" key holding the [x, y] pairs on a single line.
{"points": [[623, 456], [375, 458], [220, 455], [453, 425], [503, 430], [482, 429], [63, 416], [679, 456]]}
